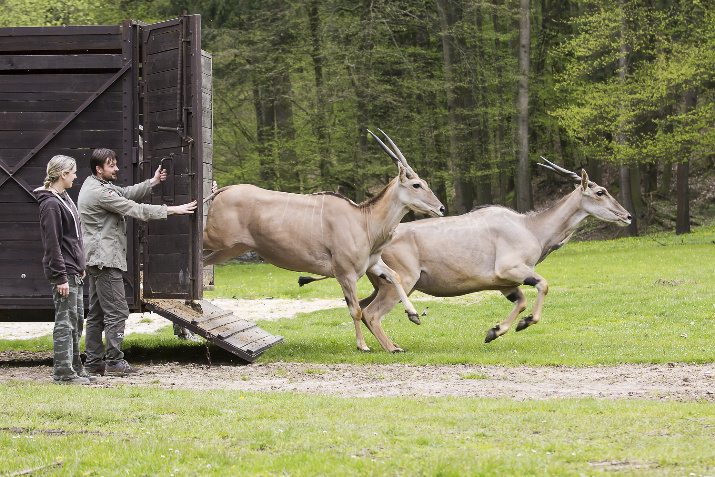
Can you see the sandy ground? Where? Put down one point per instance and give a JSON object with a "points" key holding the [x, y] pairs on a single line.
{"points": [[675, 381]]}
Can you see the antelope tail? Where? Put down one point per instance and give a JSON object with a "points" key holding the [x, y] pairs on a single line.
{"points": [[216, 193], [305, 280]]}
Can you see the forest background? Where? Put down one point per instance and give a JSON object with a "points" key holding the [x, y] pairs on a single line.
{"points": [[472, 91]]}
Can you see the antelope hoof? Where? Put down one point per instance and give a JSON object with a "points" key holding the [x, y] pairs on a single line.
{"points": [[398, 350], [525, 323], [366, 350], [491, 335], [414, 318]]}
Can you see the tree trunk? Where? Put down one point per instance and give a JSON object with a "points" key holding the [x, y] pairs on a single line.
{"points": [[595, 171], [480, 131], [524, 200], [682, 221], [320, 127], [625, 170], [666, 180], [285, 132], [448, 55], [264, 107]]}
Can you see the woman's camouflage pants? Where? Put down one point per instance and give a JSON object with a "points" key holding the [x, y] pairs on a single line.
{"points": [[69, 321]]}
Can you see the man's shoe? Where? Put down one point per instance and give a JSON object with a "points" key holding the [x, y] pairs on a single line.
{"points": [[72, 380], [98, 371], [121, 368]]}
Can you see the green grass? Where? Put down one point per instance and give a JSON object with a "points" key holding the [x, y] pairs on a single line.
{"points": [[140, 431]]}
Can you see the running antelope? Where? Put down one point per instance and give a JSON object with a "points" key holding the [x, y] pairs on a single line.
{"points": [[489, 248], [322, 233]]}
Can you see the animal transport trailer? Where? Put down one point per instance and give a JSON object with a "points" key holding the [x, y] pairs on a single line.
{"points": [[144, 91]]}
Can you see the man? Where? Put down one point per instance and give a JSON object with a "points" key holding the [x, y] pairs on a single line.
{"points": [[103, 207]]}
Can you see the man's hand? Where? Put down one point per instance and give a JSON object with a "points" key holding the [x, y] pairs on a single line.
{"points": [[64, 289], [181, 209], [159, 176]]}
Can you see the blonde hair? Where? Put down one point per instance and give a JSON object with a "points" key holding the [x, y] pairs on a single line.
{"points": [[55, 168]]}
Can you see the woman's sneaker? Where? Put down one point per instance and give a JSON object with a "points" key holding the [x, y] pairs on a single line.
{"points": [[72, 380], [92, 379], [121, 368]]}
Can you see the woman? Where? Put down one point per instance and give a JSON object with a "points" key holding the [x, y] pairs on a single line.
{"points": [[64, 264]]}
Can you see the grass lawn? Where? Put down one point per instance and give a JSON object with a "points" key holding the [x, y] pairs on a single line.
{"points": [[140, 431], [631, 300]]}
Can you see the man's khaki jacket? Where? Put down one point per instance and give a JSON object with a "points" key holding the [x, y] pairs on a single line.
{"points": [[102, 208]]}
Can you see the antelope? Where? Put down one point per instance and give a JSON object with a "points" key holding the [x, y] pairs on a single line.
{"points": [[489, 248], [322, 233]]}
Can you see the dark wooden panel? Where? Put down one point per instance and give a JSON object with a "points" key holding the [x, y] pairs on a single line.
{"points": [[11, 194], [61, 42], [110, 102], [13, 156], [60, 62], [162, 100], [163, 139], [55, 83], [27, 287], [20, 231], [170, 263], [20, 248], [47, 121], [162, 40], [160, 243], [163, 61], [24, 212], [63, 30], [162, 80], [67, 137]]}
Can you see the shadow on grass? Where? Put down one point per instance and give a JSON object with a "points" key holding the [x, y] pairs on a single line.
{"points": [[138, 349]]}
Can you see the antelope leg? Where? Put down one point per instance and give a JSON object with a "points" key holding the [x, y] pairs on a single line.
{"points": [[386, 273], [385, 299], [516, 296], [542, 288], [348, 284]]}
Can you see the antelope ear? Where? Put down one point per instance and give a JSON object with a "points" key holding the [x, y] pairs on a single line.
{"points": [[584, 180], [403, 173]]}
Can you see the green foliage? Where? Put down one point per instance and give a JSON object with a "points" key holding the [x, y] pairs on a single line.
{"points": [[47, 12], [670, 52], [296, 85]]}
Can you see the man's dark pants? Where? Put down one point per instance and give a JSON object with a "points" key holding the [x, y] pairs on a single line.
{"points": [[108, 312]]}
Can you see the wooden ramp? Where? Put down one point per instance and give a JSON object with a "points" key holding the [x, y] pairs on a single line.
{"points": [[220, 327]]}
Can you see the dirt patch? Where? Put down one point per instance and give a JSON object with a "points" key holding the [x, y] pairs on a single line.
{"points": [[679, 382], [675, 381]]}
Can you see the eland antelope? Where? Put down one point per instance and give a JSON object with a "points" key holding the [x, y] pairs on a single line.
{"points": [[489, 248], [322, 233]]}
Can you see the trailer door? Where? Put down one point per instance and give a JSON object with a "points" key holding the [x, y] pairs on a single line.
{"points": [[173, 105]]}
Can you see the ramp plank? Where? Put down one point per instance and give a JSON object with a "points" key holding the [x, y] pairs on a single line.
{"points": [[219, 326]]}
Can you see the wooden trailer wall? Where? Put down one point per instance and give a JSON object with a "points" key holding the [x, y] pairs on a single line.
{"points": [[69, 90]]}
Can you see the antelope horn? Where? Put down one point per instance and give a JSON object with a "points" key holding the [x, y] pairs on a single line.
{"points": [[398, 152], [560, 170], [395, 159]]}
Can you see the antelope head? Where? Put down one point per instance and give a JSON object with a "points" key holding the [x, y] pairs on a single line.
{"points": [[412, 191], [595, 200]]}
